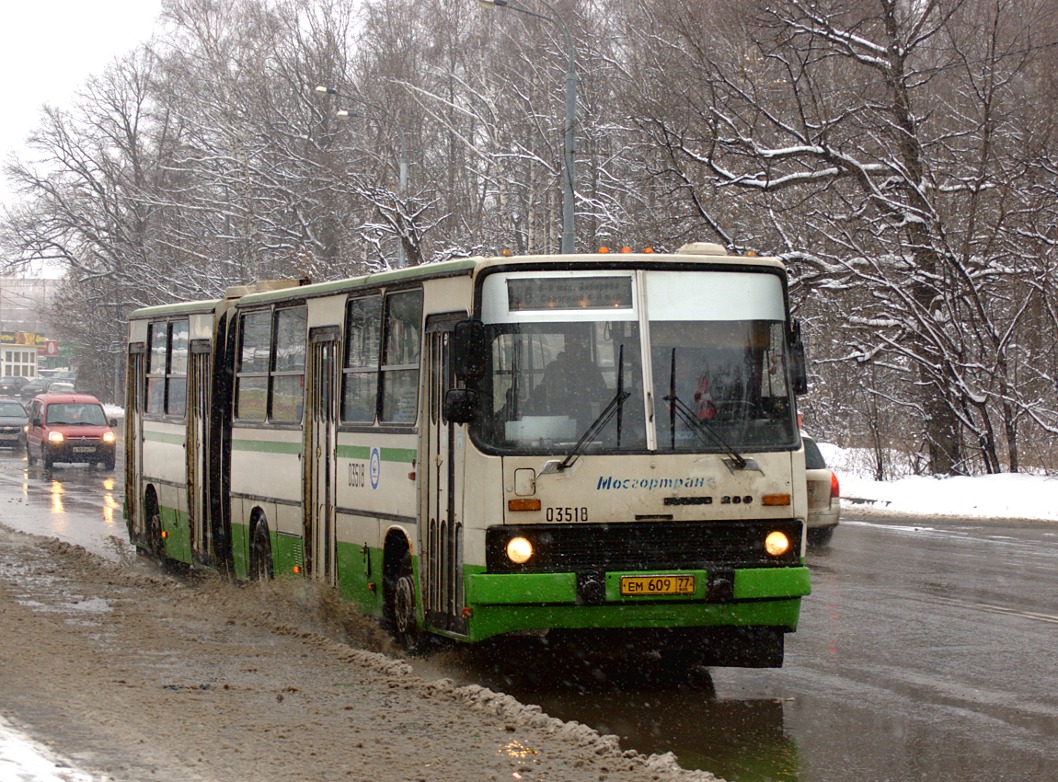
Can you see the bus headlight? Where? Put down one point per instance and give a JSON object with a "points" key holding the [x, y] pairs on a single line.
{"points": [[519, 550], [776, 544]]}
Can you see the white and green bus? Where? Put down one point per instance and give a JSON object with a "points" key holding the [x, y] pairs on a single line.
{"points": [[600, 445]]}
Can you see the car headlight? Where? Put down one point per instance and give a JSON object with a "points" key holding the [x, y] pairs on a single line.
{"points": [[519, 550], [55, 437], [776, 544], [108, 437]]}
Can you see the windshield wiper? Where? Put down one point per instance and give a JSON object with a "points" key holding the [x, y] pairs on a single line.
{"points": [[597, 426], [615, 407], [680, 408]]}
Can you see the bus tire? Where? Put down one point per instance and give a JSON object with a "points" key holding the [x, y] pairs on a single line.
{"points": [[820, 536], [405, 622], [261, 554], [749, 647]]}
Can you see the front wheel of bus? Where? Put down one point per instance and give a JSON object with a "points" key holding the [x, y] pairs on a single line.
{"points": [[405, 622], [261, 554]]}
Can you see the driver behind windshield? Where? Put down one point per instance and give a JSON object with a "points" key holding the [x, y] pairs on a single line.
{"points": [[572, 384]]}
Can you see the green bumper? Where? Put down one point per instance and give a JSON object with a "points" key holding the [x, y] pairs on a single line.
{"points": [[762, 597]]}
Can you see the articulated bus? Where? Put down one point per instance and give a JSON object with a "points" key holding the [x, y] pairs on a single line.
{"points": [[603, 446]]}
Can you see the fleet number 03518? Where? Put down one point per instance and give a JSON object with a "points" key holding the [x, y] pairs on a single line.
{"points": [[561, 514]]}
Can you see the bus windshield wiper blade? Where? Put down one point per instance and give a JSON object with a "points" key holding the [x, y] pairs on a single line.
{"points": [[597, 426], [687, 415]]}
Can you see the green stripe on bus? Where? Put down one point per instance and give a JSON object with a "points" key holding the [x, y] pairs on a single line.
{"points": [[354, 452], [400, 455], [164, 437], [353, 284], [266, 446]]}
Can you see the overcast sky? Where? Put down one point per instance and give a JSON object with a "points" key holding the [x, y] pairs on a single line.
{"points": [[48, 48]]}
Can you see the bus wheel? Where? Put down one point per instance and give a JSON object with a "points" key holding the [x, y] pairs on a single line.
{"points": [[820, 536], [748, 647], [261, 554], [405, 623]]}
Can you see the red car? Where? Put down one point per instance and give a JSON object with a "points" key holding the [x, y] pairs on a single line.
{"points": [[70, 428]]}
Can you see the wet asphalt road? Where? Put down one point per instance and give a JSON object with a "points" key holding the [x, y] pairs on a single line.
{"points": [[928, 650]]}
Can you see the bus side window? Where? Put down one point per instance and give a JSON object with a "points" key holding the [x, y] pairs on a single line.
{"points": [[288, 373], [400, 364], [255, 347], [156, 365], [176, 380], [363, 327]]}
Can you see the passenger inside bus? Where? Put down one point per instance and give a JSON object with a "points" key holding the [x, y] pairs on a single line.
{"points": [[572, 384]]}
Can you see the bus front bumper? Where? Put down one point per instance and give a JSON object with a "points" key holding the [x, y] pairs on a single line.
{"points": [[747, 597]]}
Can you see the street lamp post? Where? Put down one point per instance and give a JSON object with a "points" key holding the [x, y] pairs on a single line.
{"points": [[402, 182], [568, 191]]}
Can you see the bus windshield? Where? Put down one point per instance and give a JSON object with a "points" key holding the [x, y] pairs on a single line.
{"points": [[676, 361]]}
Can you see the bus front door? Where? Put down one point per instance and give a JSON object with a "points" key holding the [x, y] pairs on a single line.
{"points": [[319, 457], [441, 563]]}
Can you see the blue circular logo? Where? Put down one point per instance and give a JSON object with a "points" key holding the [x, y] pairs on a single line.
{"points": [[376, 467]]}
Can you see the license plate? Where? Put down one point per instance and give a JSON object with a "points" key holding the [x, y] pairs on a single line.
{"points": [[633, 586], [84, 449]]}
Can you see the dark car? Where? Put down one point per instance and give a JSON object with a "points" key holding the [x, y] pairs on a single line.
{"points": [[13, 420], [36, 386], [70, 428], [11, 385]]}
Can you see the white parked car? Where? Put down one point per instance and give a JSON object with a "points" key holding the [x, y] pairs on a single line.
{"points": [[824, 495]]}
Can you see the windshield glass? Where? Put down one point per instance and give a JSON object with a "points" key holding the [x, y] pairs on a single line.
{"points": [[575, 352], [12, 410], [549, 382], [717, 350], [74, 414]]}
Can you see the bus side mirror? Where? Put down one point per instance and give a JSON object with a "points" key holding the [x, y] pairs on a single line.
{"points": [[798, 362], [470, 348], [461, 405]]}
